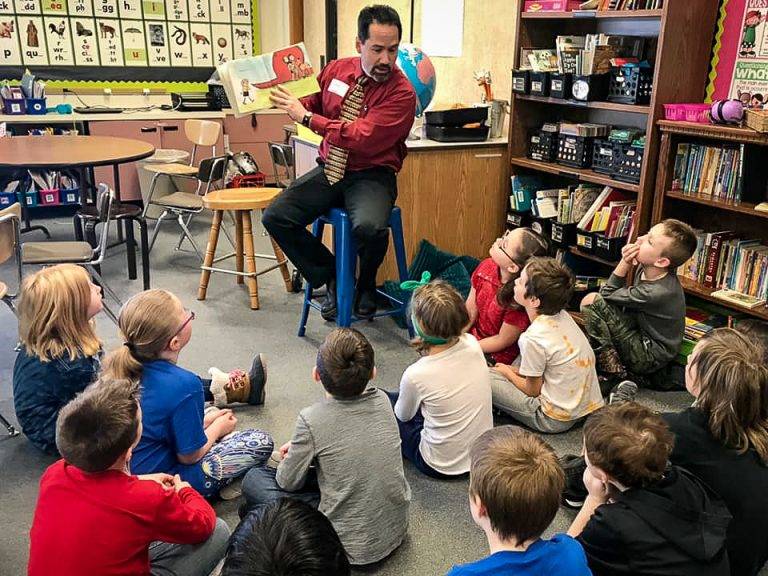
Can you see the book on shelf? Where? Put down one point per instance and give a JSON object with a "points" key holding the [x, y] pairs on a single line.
{"points": [[709, 171], [544, 205], [699, 322], [738, 298], [523, 191], [574, 202], [584, 129], [630, 4], [606, 196]]}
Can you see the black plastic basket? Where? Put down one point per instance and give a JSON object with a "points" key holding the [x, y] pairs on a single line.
{"points": [[602, 156], [628, 163], [630, 85], [560, 85], [521, 81], [575, 151], [540, 83], [543, 146]]}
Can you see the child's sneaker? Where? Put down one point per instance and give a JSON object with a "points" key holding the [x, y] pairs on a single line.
{"points": [[237, 386], [625, 391], [575, 492], [232, 490]]}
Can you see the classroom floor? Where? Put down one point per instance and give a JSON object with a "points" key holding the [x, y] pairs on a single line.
{"points": [[226, 334]]}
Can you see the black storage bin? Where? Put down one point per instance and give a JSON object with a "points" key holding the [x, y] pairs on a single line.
{"points": [[575, 151], [542, 226], [521, 81], [540, 83], [457, 134], [630, 85], [628, 163], [597, 87], [560, 85], [563, 235], [543, 146], [516, 219], [602, 156], [608, 248], [585, 241], [457, 116]]}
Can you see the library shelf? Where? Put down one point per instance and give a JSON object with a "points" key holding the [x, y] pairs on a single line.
{"points": [[581, 174], [614, 106], [740, 207], [713, 132], [587, 14], [575, 250], [705, 293]]}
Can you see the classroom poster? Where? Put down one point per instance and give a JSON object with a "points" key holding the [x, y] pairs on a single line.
{"points": [[33, 47], [9, 40], [740, 56], [86, 45], [59, 41]]}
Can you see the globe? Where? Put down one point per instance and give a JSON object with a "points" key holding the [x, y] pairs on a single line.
{"points": [[420, 72]]}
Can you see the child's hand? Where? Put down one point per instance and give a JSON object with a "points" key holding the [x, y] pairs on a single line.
{"points": [[284, 450], [165, 480], [179, 484], [212, 415], [629, 253], [506, 370], [226, 424], [596, 487]]}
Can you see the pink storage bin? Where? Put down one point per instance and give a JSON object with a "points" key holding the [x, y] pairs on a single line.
{"points": [[49, 197], [698, 112]]}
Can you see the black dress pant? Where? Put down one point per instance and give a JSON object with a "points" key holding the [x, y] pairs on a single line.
{"points": [[368, 197]]}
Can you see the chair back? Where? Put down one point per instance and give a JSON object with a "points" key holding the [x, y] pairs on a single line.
{"points": [[211, 170], [201, 133], [104, 200], [10, 219], [282, 162]]}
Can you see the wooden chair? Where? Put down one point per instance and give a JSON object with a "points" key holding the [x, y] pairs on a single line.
{"points": [[241, 201], [10, 246]]}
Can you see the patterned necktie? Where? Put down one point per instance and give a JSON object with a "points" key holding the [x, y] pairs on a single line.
{"points": [[336, 160]]}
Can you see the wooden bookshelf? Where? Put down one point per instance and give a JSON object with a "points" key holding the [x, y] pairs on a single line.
{"points": [[681, 65], [706, 213], [615, 106], [574, 250]]}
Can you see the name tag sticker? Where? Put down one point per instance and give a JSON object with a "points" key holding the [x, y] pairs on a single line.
{"points": [[338, 87]]}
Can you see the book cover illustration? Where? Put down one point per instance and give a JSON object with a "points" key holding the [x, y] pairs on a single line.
{"points": [[248, 81]]}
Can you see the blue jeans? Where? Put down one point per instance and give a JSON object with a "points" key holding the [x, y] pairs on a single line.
{"points": [[166, 559], [410, 438], [260, 489]]}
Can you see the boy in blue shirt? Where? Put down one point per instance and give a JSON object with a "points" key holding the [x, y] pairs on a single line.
{"points": [[514, 493]]}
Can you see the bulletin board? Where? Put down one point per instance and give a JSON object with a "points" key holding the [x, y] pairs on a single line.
{"points": [[740, 57], [108, 42]]}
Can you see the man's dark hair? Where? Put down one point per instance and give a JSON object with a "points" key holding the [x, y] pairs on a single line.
{"points": [[289, 538], [381, 14], [99, 425], [345, 363], [549, 281]]}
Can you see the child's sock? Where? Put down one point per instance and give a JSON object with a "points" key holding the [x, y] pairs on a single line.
{"points": [[239, 386]]}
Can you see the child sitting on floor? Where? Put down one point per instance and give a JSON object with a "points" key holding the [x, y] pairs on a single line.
{"points": [[495, 319], [639, 328], [514, 493], [642, 516], [289, 537], [555, 385], [60, 352], [444, 401], [344, 455], [94, 517], [179, 437], [723, 437]]}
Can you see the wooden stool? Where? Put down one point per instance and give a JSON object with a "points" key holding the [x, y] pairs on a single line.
{"points": [[241, 201]]}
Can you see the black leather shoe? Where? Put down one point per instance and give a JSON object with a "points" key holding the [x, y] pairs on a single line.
{"points": [[365, 305], [328, 308]]}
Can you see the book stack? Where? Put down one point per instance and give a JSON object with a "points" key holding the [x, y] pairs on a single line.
{"points": [[585, 129], [611, 213], [573, 203], [699, 322], [595, 53], [714, 171], [627, 4], [523, 191], [737, 267], [544, 204]]}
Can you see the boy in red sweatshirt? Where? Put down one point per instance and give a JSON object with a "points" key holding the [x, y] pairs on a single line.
{"points": [[94, 517]]}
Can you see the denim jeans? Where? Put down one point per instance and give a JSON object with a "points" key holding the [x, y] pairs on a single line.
{"points": [[260, 489], [410, 439], [167, 559]]}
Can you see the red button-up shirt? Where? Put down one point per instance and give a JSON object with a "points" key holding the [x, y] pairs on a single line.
{"points": [[377, 137]]}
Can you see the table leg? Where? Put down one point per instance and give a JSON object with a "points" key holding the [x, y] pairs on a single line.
{"points": [[210, 252], [130, 244], [250, 259], [144, 251], [239, 245]]}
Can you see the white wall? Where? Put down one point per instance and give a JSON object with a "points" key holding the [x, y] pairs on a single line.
{"points": [[275, 27]]}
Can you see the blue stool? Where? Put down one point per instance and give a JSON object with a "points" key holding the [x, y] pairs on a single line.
{"points": [[345, 248]]}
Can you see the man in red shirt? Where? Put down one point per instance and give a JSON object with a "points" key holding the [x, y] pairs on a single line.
{"points": [[371, 138], [94, 517]]}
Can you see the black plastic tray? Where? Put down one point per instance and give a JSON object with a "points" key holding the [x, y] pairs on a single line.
{"points": [[457, 117], [455, 134]]}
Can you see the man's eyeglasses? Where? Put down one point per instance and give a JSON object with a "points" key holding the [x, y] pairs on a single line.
{"points": [[184, 324]]}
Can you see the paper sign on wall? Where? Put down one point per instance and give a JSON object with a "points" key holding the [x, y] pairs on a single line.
{"points": [[442, 27]]}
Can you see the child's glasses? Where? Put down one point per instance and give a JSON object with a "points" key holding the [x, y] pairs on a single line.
{"points": [[184, 324], [500, 243]]}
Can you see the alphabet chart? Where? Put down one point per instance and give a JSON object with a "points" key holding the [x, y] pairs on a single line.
{"points": [[125, 33]]}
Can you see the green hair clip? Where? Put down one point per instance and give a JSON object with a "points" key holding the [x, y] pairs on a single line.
{"points": [[413, 284]]}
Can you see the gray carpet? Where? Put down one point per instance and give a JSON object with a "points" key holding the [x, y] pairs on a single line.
{"points": [[226, 334]]}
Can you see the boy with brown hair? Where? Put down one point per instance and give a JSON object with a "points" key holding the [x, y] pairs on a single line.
{"points": [[555, 385], [94, 517], [514, 492], [639, 328], [344, 457], [643, 516]]}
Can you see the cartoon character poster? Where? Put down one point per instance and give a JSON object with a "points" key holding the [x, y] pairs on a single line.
{"points": [[740, 56], [248, 81]]}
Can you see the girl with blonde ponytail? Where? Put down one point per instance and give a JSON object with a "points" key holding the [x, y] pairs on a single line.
{"points": [[179, 436], [60, 351], [723, 437]]}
